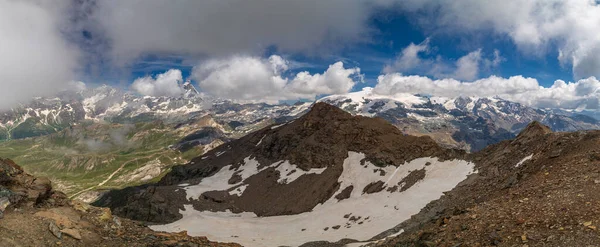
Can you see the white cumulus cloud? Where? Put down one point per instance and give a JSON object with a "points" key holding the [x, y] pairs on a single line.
{"points": [[336, 79], [255, 79], [409, 58], [567, 27], [580, 94], [414, 59], [165, 84]]}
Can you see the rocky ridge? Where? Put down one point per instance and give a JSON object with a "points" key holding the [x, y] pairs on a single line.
{"points": [[319, 139], [105, 104]]}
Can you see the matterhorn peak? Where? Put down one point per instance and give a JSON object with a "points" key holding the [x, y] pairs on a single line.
{"points": [[190, 90]]}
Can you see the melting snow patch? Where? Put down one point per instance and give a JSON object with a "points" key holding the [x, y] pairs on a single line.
{"points": [[523, 160], [219, 181], [288, 172], [376, 212], [239, 190], [358, 244]]}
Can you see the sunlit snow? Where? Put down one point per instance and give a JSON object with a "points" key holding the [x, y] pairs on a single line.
{"points": [[523, 160], [378, 212]]}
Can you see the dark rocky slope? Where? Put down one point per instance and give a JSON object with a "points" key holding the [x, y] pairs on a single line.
{"points": [[319, 139], [540, 189]]}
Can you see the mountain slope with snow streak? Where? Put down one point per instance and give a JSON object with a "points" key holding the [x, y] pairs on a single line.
{"points": [[359, 217], [267, 188]]}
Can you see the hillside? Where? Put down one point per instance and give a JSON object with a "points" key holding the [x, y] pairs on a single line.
{"points": [[537, 190], [89, 157], [322, 177], [333, 178], [33, 214]]}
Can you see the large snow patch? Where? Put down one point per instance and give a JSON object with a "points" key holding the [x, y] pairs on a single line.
{"points": [[360, 217]]}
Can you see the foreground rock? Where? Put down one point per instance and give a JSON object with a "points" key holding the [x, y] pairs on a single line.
{"points": [[35, 215]]}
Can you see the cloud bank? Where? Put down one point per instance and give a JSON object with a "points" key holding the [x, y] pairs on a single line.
{"points": [[254, 79], [34, 57], [229, 27], [582, 94], [414, 59], [39, 58]]}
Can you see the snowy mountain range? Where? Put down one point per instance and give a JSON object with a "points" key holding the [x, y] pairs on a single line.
{"points": [[465, 122], [111, 105]]}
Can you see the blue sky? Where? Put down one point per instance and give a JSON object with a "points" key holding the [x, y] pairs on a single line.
{"points": [[393, 32], [543, 53]]}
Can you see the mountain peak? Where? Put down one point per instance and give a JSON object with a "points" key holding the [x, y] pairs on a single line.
{"points": [[534, 129], [190, 90], [324, 110]]}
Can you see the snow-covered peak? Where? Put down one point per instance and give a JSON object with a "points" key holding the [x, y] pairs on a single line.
{"points": [[365, 102], [190, 90]]}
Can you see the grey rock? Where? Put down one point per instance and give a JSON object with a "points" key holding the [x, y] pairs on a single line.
{"points": [[4, 203], [55, 230]]}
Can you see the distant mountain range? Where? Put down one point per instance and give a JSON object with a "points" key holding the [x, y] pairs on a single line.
{"points": [[465, 122], [43, 116]]}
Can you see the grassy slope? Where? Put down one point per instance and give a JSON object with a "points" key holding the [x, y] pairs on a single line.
{"points": [[86, 155]]}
